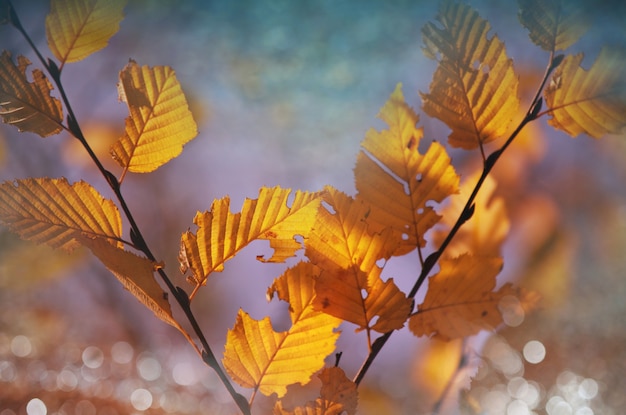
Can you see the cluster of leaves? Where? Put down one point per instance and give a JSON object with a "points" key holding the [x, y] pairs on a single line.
{"points": [[347, 240]]}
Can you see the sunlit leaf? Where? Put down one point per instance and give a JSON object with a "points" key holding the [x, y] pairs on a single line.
{"points": [[77, 28], [221, 234], [484, 233], [160, 122], [474, 89], [397, 181], [460, 300], [28, 105], [136, 275], [338, 396], [350, 286], [258, 357], [54, 212], [591, 102], [553, 24]]}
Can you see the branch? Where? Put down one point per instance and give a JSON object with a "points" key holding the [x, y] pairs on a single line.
{"points": [[137, 238], [532, 114]]}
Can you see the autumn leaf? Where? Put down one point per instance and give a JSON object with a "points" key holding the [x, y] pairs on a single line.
{"points": [[257, 357], [28, 105], [474, 89], [77, 28], [397, 181], [553, 24], [460, 300], [484, 233], [338, 395], [54, 212], [591, 102], [350, 286], [221, 234], [160, 122], [136, 275]]}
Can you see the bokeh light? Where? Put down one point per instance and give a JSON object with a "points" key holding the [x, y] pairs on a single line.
{"points": [[141, 399], [534, 351], [36, 407]]}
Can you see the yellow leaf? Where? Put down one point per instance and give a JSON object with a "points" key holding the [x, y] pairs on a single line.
{"points": [[460, 300], [136, 275], [160, 122], [257, 357], [77, 28], [591, 102], [221, 234], [28, 105], [350, 286], [484, 233], [338, 396], [553, 24], [474, 89], [54, 212], [397, 181]]}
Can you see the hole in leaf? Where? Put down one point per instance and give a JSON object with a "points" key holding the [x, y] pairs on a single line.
{"points": [[381, 262], [405, 236], [329, 207], [363, 293], [373, 321]]}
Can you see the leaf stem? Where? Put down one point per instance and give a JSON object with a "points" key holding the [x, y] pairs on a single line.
{"points": [[468, 210], [137, 238]]}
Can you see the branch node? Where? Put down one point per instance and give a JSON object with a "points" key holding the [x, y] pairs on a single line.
{"points": [[430, 261], [468, 213], [556, 62], [181, 296], [534, 112], [337, 358], [54, 70]]}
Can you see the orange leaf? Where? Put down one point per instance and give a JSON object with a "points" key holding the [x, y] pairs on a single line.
{"points": [[257, 357], [338, 395], [78, 28], [591, 102], [160, 121], [397, 181], [221, 234], [553, 24], [136, 275], [460, 300], [474, 89], [350, 286], [28, 105], [54, 212]]}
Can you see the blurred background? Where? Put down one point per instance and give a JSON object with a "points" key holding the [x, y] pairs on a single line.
{"points": [[283, 93]]}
